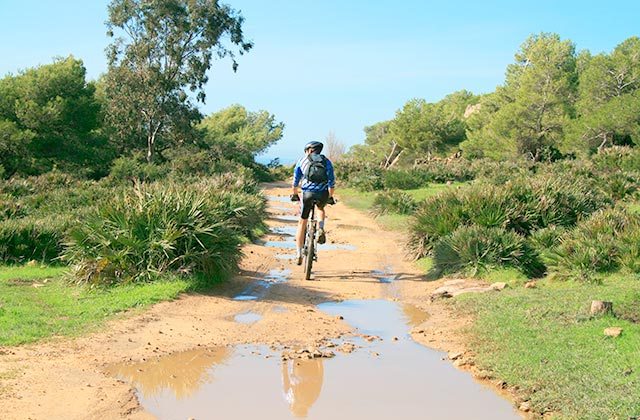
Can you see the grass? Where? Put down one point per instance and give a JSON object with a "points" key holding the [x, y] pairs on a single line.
{"points": [[363, 201], [38, 303], [544, 342]]}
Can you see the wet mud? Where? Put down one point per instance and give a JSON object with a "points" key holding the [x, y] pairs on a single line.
{"points": [[379, 373]]}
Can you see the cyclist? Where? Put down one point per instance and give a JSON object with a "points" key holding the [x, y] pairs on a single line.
{"points": [[314, 174]]}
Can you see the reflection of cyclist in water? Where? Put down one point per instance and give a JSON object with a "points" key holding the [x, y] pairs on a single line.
{"points": [[302, 382]]}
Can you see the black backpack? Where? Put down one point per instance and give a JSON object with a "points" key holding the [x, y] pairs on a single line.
{"points": [[316, 172]]}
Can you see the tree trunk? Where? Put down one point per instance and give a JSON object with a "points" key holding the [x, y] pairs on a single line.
{"points": [[151, 147], [599, 307]]}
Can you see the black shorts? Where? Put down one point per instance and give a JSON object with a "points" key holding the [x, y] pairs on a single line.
{"points": [[307, 201]]}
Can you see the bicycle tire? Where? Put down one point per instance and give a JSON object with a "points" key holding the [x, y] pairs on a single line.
{"points": [[308, 263]]}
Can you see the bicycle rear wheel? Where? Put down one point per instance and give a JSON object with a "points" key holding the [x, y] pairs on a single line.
{"points": [[310, 254]]}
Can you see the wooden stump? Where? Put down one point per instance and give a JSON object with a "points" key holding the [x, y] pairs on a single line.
{"points": [[600, 307]]}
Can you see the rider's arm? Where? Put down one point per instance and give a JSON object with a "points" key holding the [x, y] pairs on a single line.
{"points": [[331, 178], [297, 176]]}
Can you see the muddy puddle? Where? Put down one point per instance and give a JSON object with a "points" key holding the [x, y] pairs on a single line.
{"points": [[259, 288], [279, 198], [247, 318], [389, 378]]}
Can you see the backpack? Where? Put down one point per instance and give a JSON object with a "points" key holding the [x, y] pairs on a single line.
{"points": [[316, 172]]}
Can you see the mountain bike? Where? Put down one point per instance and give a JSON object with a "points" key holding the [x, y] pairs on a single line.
{"points": [[309, 249]]}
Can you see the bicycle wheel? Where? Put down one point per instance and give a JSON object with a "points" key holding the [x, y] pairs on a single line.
{"points": [[308, 262]]}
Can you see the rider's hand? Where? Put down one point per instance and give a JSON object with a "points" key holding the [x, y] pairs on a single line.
{"points": [[294, 197], [331, 200]]}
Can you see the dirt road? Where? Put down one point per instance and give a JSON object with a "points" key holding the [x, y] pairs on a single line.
{"points": [[72, 379]]}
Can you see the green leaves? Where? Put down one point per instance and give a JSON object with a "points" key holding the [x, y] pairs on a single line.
{"points": [[162, 48]]}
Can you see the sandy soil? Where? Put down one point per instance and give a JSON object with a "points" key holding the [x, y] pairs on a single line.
{"points": [[66, 378]]}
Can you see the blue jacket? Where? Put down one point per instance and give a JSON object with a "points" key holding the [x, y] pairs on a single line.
{"points": [[298, 175]]}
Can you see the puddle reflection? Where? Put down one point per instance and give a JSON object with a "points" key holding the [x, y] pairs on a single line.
{"points": [[302, 382], [181, 373], [405, 380]]}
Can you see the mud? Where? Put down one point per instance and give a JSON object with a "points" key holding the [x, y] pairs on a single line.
{"points": [[384, 374]]}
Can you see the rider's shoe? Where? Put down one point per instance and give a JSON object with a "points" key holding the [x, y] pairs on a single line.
{"points": [[322, 238], [299, 259]]}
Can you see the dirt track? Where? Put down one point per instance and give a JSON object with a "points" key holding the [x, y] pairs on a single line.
{"points": [[67, 379]]}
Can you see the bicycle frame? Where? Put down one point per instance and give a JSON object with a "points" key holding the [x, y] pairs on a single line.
{"points": [[310, 241]]}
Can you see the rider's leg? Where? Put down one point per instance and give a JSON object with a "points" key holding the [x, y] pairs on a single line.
{"points": [[302, 225], [322, 238]]}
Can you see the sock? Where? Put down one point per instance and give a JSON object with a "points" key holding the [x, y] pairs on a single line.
{"points": [[299, 252], [321, 224]]}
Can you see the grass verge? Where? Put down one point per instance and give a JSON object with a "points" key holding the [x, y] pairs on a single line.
{"points": [[544, 343], [38, 303], [363, 201]]}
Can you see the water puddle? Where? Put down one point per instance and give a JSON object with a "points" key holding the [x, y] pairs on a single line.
{"points": [[247, 318], [336, 247], [284, 230], [385, 276], [393, 377], [282, 208], [258, 289], [286, 218], [279, 198], [280, 244]]}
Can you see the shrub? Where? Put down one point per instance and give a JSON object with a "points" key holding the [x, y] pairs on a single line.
{"points": [[244, 212], [152, 230], [475, 249], [28, 239], [393, 201], [134, 168], [435, 218], [603, 243], [403, 179]]}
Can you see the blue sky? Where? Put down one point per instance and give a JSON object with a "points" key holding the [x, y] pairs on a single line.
{"points": [[338, 66]]}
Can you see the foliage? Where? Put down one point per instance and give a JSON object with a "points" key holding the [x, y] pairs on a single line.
{"points": [[160, 49], [393, 201], [601, 244], [475, 249], [151, 230], [27, 239], [235, 128], [49, 117]]}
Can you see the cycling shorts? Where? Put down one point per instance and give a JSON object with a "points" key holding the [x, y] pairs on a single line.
{"points": [[308, 198]]}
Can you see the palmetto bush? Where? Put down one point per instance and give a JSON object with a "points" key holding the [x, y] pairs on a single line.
{"points": [[393, 201], [435, 218], [30, 238], [473, 249], [404, 179], [603, 243], [151, 230]]}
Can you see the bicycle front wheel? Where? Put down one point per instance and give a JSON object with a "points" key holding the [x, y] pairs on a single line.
{"points": [[310, 254]]}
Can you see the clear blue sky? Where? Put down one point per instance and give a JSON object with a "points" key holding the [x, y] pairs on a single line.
{"points": [[337, 65]]}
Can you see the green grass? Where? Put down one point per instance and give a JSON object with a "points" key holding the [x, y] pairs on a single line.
{"points": [[38, 303], [544, 342], [363, 201]]}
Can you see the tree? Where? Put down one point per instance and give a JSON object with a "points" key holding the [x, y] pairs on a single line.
{"points": [[234, 130], [161, 49], [536, 102], [607, 105], [334, 148], [50, 118]]}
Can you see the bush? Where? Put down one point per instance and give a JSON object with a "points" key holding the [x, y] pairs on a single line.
{"points": [[244, 212], [134, 168], [604, 243], [28, 239], [393, 201], [152, 230], [435, 218], [403, 179], [475, 249]]}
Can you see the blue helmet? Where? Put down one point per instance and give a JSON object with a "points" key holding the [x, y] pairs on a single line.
{"points": [[315, 145]]}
